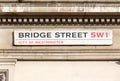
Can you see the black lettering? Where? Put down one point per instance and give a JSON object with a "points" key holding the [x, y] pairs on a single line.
{"points": [[85, 34], [63, 34], [79, 34], [49, 35], [36, 35], [27, 35], [42, 35], [57, 35], [68, 35], [21, 35], [74, 35]]}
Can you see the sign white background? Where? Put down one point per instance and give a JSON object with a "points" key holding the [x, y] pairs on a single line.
{"points": [[64, 37]]}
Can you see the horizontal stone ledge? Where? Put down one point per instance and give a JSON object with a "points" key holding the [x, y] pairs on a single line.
{"points": [[59, 7], [3, 14], [59, 1], [61, 51], [63, 57], [8, 60], [8, 1], [70, 0]]}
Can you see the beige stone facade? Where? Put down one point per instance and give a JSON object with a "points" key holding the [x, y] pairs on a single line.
{"points": [[71, 0], [59, 52], [60, 0], [61, 7], [24, 15], [8, 1]]}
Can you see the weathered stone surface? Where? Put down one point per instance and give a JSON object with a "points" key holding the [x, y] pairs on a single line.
{"points": [[57, 52], [8, 67], [8, 0], [59, 7], [71, 0], [8, 50], [68, 71]]}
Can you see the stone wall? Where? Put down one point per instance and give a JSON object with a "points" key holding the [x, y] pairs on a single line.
{"points": [[59, 0], [8, 50], [60, 7]]}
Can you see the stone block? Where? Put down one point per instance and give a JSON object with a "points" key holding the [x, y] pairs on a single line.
{"points": [[6, 40], [8, 0], [59, 7], [71, 0]]}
